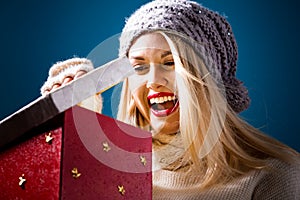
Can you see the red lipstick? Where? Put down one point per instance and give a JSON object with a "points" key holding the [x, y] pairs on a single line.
{"points": [[163, 103]]}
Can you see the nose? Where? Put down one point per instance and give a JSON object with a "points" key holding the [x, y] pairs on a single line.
{"points": [[156, 78]]}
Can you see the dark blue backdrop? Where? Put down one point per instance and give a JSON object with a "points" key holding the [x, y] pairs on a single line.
{"points": [[35, 34]]}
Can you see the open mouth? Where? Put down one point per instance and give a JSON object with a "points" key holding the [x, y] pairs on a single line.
{"points": [[163, 103]]}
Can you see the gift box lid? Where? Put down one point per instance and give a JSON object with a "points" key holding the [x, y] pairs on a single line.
{"points": [[47, 107]]}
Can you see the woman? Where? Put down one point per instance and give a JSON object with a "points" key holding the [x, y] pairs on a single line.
{"points": [[185, 92]]}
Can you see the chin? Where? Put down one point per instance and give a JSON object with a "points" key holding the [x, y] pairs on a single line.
{"points": [[166, 133], [168, 125]]}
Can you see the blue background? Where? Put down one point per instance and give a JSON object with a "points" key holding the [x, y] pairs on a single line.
{"points": [[35, 34]]}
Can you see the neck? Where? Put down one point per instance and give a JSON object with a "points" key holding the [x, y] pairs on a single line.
{"points": [[169, 155]]}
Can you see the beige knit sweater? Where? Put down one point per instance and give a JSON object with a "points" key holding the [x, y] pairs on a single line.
{"points": [[282, 183]]}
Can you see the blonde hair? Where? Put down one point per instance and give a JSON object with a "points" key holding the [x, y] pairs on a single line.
{"points": [[220, 144]]}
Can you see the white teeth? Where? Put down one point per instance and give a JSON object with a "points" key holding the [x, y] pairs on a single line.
{"points": [[162, 99]]}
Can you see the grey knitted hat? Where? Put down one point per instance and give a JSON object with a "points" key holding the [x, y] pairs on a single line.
{"points": [[201, 25]]}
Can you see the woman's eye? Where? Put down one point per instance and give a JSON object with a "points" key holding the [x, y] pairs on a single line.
{"points": [[141, 69], [170, 65]]}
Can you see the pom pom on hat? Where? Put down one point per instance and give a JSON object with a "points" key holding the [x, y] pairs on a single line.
{"points": [[199, 24]]}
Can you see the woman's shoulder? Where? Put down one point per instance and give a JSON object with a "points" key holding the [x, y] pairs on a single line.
{"points": [[281, 166], [280, 180]]}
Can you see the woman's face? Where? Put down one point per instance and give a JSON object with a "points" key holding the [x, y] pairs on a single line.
{"points": [[153, 85]]}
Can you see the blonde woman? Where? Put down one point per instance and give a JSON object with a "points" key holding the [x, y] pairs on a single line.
{"points": [[186, 93]]}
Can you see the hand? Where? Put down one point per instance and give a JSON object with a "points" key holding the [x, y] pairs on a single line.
{"points": [[64, 72], [65, 81]]}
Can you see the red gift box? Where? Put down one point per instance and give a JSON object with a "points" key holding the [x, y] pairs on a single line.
{"points": [[78, 154]]}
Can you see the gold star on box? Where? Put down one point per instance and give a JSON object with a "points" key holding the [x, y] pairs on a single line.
{"points": [[49, 138], [105, 146], [75, 173], [121, 189], [143, 160], [22, 181]]}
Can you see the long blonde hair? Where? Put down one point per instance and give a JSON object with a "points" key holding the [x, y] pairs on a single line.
{"points": [[221, 145]]}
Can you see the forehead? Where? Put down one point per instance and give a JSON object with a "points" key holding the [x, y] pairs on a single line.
{"points": [[150, 41]]}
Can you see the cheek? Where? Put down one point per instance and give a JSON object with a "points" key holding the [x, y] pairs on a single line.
{"points": [[140, 100], [170, 77], [136, 81]]}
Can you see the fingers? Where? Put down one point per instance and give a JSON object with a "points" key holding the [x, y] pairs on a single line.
{"points": [[67, 80], [46, 91], [64, 72], [55, 86], [80, 73]]}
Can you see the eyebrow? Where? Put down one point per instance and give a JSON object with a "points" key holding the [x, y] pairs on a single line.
{"points": [[137, 58], [165, 54]]}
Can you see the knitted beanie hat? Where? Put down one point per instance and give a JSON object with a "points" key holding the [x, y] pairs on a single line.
{"points": [[199, 24]]}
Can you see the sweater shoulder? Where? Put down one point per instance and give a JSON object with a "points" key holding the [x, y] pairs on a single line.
{"points": [[280, 180]]}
